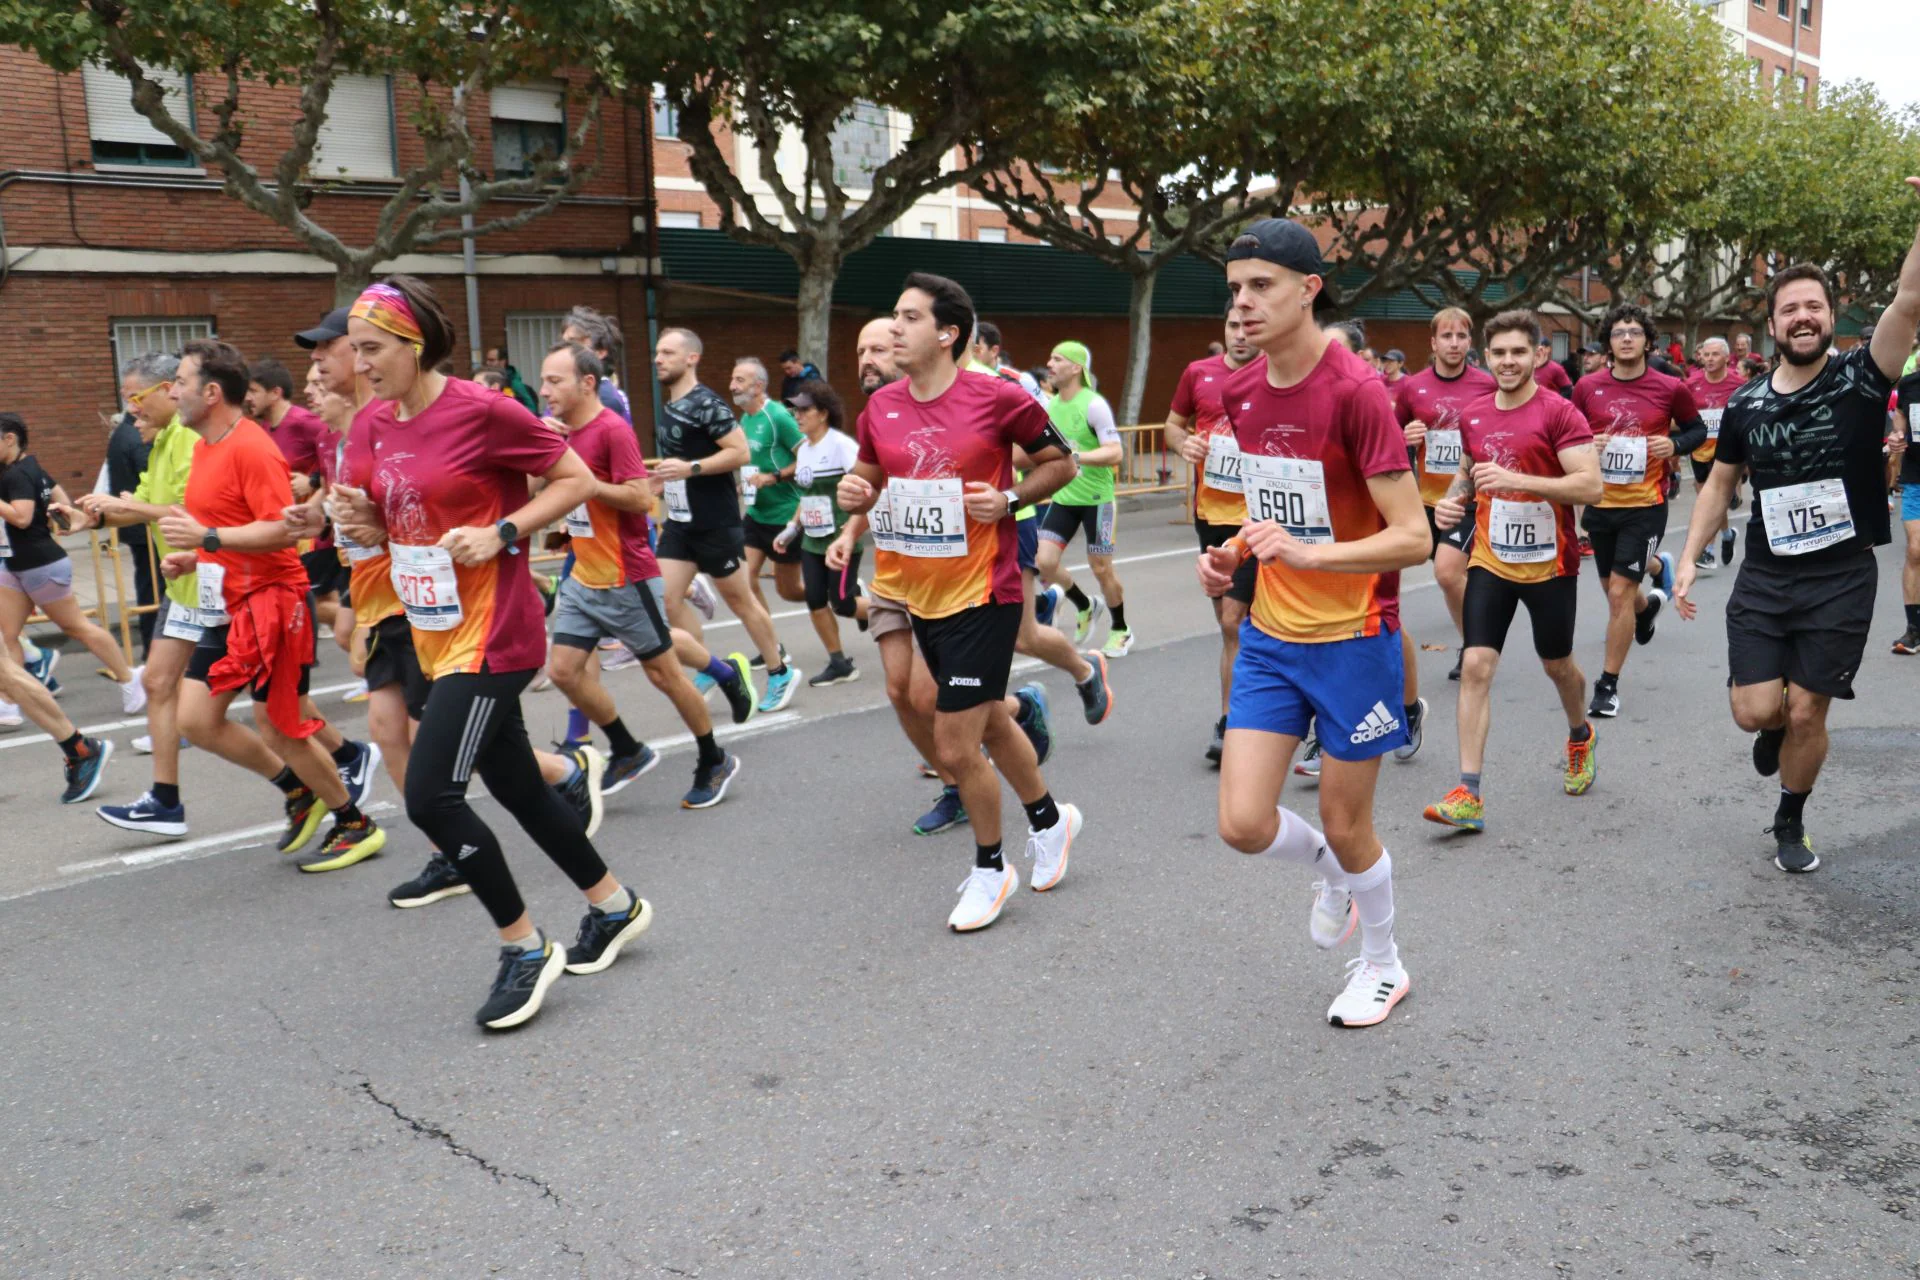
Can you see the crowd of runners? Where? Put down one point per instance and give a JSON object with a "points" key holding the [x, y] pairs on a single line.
{"points": [[397, 507]]}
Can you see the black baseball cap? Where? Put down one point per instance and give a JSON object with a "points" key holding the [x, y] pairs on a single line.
{"points": [[1396, 353], [1283, 242], [332, 325]]}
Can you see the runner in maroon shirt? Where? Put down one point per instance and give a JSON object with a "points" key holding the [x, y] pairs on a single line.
{"points": [[1548, 373], [1713, 384]]}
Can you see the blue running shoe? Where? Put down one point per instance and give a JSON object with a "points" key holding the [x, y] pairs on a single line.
{"points": [[780, 689], [1033, 719], [624, 769], [148, 815], [358, 777], [703, 683], [947, 813], [1046, 605], [1663, 579], [710, 782], [84, 770], [41, 668]]}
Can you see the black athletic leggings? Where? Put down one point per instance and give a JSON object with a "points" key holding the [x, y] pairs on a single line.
{"points": [[472, 724], [830, 587]]}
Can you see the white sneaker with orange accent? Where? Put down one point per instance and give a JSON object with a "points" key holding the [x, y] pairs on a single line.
{"points": [[982, 895], [1049, 848], [1370, 995], [1334, 916]]}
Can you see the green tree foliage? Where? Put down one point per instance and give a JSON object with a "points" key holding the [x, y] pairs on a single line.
{"points": [[802, 75], [235, 48]]}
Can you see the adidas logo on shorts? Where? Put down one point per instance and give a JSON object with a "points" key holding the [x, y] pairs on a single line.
{"points": [[1379, 723]]}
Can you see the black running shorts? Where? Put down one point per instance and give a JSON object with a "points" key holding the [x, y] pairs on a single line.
{"points": [[970, 653], [1487, 612], [1625, 539], [715, 552], [1806, 625], [1460, 537]]}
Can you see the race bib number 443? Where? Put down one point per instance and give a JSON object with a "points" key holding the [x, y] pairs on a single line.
{"points": [[1292, 492], [929, 518]]}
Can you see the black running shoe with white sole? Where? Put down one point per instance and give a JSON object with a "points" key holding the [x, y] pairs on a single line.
{"points": [[521, 985], [1644, 620], [439, 879], [1606, 701], [1793, 851], [603, 934], [1766, 751]]}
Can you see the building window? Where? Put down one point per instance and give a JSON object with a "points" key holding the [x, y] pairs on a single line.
{"points": [[356, 140], [120, 134], [929, 231], [1756, 71], [688, 219], [861, 144], [1806, 13], [137, 336], [1801, 83], [1783, 7], [992, 235], [1779, 74], [666, 116], [530, 335], [529, 126], [1562, 344]]}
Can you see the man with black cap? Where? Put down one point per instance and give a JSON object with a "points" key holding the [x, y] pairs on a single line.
{"points": [[1393, 365], [1334, 515]]}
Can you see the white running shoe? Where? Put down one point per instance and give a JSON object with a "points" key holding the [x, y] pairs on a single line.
{"points": [[1049, 848], [700, 595], [1370, 995], [133, 694], [982, 895], [10, 717], [1334, 917], [143, 745], [615, 656], [357, 693]]}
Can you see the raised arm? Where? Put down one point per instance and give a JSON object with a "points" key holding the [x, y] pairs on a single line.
{"points": [[1893, 340]]}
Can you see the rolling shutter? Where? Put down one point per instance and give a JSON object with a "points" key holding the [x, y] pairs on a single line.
{"points": [[357, 139]]}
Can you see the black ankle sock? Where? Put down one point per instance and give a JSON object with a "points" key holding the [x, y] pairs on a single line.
{"points": [[1581, 734], [287, 783], [619, 739], [1792, 805], [838, 657], [346, 753], [1609, 680], [1119, 612], [1913, 617], [710, 753], [348, 814], [1412, 709], [72, 746], [1079, 597], [166, 793], [988, 856], [773, 671], [1042, 813]]}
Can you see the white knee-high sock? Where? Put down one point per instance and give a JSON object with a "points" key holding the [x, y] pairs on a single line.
{"points": [[1298, 841], [1372, 891]]}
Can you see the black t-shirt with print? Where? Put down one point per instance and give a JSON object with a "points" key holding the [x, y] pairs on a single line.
{"points": [[33, 546], [692, 428], [1834, 428]]}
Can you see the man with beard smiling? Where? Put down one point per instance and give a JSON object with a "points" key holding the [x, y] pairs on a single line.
{"points": [[1811, 435]]}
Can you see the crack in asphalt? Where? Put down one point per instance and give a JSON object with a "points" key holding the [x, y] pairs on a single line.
{"points": [[427, 1129]]}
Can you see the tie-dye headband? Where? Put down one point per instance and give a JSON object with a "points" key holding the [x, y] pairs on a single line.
{"points": [[385, 307]]}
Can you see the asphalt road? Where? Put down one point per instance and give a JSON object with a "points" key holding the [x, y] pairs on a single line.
{"points": [[1633, 1047]]}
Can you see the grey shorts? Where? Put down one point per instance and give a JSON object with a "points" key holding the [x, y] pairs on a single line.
{"points": [[884, 616], [45, 585], [635, 615], [177, 622]]}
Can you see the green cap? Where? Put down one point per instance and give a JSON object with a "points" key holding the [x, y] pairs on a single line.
{"points": [[1078, 353]]}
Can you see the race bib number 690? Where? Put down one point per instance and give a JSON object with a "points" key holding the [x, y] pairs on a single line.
{"points": [[1291, 492]]}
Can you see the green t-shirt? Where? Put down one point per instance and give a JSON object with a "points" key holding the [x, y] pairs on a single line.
{"points": [[1086, 421], [772, 439], [163, 484], [819, 468]]}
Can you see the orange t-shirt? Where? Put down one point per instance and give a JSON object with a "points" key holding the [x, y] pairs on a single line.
{"points": [[1197, 399], [239, 479]]}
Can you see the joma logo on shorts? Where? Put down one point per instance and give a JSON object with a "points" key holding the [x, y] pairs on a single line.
{"points": [[969, 682]]}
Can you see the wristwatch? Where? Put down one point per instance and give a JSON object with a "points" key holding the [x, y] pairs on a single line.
{"points": [[509, 536], [1013, 500], [693, 468], [210, 540]]}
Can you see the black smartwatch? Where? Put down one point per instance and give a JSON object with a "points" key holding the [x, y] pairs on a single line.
{"points": [[509, 536], [210, 540], [693, 468]]}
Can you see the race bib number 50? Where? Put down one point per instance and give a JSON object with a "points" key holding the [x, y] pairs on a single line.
{"points": [[1292, 492]]}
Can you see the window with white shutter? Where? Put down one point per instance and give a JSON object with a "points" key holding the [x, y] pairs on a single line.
{"points": [[120, 134], [529, 336], [142, 335], [356, 141], [529, 124]]}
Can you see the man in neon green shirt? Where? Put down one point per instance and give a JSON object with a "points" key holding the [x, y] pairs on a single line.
{"points": [[773, 442], [1083, 416], [162, 485]]}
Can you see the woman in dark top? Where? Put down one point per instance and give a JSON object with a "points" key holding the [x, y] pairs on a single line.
{"points": [[34, 569]]}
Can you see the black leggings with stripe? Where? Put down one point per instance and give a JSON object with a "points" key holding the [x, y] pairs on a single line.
{"points": [[472, 724]]}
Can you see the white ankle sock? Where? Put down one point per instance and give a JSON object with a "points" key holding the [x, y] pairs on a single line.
{"points": [[1372, 890]]}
